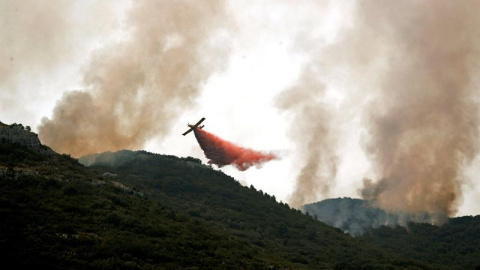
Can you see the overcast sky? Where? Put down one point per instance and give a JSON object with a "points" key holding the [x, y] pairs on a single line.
{"points": [[249, 97]]}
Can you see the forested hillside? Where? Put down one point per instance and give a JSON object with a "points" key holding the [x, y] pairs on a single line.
{"points": [[456, 243], [138, 210]]}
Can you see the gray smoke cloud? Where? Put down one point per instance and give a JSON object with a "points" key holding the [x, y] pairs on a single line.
{"points": [[313, 136], [33, 35], [135, 87], [423, 120], [313, 128], [39, 39]]}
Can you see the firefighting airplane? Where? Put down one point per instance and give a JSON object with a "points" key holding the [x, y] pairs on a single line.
{"points": [[192, 127]]}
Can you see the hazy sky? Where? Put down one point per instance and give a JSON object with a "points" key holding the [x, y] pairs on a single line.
{"points": [[305, 81]]}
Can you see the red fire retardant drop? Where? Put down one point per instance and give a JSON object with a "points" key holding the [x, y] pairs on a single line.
{"points": [[221, 152]]}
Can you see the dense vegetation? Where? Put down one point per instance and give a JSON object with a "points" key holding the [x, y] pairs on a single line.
{"points": [[152, 211], [187, 186], [456, 244]]}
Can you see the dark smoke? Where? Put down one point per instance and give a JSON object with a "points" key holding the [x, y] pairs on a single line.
{"points": [[423, 121], [221, 152], [137, 86]]}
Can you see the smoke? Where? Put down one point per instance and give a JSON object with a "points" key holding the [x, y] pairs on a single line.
{"points": [[411, 62], [33, 36], [407, 67], [37, 40], [423, 119], [221, 152], [134, 88], [312, 132]]}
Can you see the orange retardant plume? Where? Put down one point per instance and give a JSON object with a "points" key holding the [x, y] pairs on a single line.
{"points": [[221, 152]]}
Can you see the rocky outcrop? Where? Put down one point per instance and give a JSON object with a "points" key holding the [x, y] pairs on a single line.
{"points": [[17, 133]]}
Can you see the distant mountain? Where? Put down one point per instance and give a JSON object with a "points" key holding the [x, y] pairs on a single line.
{"points": [[355, 216], [456, 242], [139, 210]]}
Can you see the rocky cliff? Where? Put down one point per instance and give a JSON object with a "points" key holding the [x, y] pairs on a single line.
{"points": [[18, 134]]}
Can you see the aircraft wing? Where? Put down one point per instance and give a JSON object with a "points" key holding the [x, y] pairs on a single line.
{"points": [[186, 132], [199, 122], [194, 126]]}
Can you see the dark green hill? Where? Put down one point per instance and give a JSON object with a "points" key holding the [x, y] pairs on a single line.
{"points": [[456, 243], [152, 211], [187, 186], [56, 214]]}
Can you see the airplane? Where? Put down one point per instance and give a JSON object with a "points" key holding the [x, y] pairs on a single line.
{"points": [[192, 127]]}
